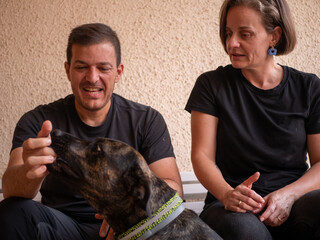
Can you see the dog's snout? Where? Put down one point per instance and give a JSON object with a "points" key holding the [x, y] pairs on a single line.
{"points": [[57, 132]]}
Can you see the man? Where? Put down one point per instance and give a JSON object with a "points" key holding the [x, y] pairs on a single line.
{"points": [[93, 67]]}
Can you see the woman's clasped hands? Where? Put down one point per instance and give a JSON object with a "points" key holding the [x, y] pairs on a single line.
{"points": [[273, 209]]}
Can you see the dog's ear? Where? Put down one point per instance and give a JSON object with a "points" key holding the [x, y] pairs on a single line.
{"points": [[139, 192], [142, 194]]}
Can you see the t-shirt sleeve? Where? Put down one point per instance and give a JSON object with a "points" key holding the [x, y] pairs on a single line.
{"points": [[202, 97], [313, 121], [28, 126], [157, 142]]}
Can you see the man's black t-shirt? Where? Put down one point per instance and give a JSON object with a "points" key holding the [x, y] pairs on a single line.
{"points": [[259, 130], [138, 125]]}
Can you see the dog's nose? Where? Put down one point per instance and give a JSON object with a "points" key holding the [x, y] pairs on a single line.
{"points": [[57, 132]]}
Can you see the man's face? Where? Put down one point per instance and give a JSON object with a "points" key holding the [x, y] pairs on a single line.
{"points": [[92, 73]]}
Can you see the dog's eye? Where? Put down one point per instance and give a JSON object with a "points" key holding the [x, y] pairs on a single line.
{"points": [[97, 148]]}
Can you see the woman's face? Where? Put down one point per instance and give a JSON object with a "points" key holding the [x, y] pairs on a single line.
{"points": [[247, 40]]}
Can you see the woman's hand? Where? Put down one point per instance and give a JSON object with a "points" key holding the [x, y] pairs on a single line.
{"points": [[277, 207], [243, 198], [105, 230]]}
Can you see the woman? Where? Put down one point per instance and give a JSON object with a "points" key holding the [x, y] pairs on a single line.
{"points": [[252, 124]]}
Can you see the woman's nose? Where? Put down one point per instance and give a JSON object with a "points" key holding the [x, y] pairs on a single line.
{"points": [[233, 41]]}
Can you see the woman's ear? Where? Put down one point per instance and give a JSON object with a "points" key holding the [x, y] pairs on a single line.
{"points": [[275, 36]]}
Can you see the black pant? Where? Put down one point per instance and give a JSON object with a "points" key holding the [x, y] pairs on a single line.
{"points": [[22, 218], [303, 222]]}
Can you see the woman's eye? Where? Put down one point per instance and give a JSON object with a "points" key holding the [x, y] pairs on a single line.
{"points": [[245, 35]]}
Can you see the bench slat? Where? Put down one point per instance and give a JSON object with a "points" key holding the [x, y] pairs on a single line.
{"points": [[195, 206], [188, 177], [194, 191]]}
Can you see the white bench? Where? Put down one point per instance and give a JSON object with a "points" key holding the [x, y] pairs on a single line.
{"points": [[194, 192]]}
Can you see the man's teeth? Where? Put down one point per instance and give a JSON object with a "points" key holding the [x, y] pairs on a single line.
{"points": [[92, 89]]}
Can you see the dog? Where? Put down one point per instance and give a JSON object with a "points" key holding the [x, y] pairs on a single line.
{"points": [[116, 181]]}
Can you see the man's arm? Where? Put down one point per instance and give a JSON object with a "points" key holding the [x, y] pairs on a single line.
{"points": [[167, 170], [26, 168]]}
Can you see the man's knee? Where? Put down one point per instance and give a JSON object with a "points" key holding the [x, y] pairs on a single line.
{"points": [[14, 207], [15, 217]]}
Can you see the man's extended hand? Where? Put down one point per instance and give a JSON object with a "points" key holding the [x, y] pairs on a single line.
{"points": [[37, 153]]}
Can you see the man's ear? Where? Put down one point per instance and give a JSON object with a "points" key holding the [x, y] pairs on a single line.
{"points": [[119, 72], [67, 69]]}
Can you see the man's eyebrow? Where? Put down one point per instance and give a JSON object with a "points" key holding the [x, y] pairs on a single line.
{"points": [[99, 63], [105, 63], [79, 61]]}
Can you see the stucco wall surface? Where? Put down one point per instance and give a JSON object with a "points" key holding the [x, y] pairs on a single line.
{"points": [[166, 45]]}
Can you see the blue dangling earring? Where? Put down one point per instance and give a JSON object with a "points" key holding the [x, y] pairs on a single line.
{"points": [[272, 51]]}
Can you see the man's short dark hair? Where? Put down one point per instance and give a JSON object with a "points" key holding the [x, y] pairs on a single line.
{"points": [[93, 33]]}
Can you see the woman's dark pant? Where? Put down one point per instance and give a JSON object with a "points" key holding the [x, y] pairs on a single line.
{"points": [[22, 218], [303, 222]]}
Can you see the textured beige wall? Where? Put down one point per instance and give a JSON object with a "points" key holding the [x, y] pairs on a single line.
{"points": [[166, 44]]}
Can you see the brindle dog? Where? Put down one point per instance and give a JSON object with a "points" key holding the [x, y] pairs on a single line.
{"points": [[116, 181]]}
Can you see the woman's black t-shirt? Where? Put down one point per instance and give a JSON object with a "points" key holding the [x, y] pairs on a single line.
{"points": [[259, 130]]}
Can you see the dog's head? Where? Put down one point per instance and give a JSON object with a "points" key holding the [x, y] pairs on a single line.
{"points": [[109, 174]]}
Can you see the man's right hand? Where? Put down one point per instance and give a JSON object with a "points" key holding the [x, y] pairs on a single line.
{"points": [[27, 165], [37, 153]]}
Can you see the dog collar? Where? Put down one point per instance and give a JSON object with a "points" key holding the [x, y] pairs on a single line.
{"points": [[161, 218]]}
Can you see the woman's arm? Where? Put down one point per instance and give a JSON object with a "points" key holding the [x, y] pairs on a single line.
{"points": [[204, 133], [311, 179], [279, 203], [203, 151]]}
